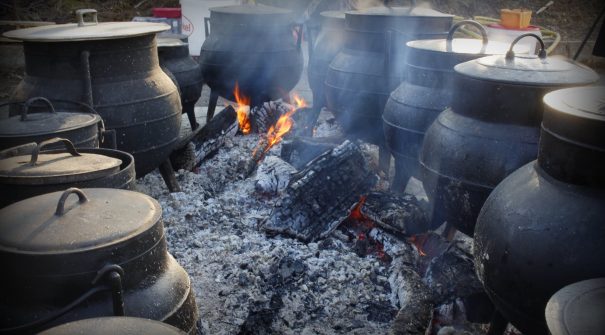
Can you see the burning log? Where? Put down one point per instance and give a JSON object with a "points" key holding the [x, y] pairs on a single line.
{"points": [[400, 215], [207, 139], [299, 151], [414, 299], [322, 195], [265, 116]]}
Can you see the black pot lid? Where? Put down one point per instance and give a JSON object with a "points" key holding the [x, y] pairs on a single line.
{"points": [[86, 30], [398, 11], [116, 325], [61, 222], [528, 70], [578, 309], [41, 168], [577, 115], [35, 124], [249, 9], [170, 42]]}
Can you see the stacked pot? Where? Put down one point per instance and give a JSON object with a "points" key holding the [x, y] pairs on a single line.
{"points": [[371, 64], [112, 67], [78, 254], [426, 92], [542, 227], [490, 130]]}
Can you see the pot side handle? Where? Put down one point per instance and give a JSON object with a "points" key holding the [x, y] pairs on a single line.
{"points": [[450, 34], [80, 16], [207, 26], [68, 146], [31, 101]]}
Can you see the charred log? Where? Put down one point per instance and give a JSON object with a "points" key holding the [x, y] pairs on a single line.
{"points": [[273, 175], [400, 215], [266, 115], [322, 195], [414, 298], [299, 150]]}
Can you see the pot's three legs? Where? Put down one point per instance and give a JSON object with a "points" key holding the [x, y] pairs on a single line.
{"points": [[189, 108], [167, 173], [211, 105]]}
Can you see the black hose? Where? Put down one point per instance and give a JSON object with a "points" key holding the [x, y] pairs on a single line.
{"points": [[592, 28]]}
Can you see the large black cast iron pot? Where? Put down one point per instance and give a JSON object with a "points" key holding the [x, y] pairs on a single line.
{"points": [[491, 129], [254, 46], [543, 227], [174, 57], [88, 253], [83, 128], [371, 64], [426, 92], [329, 42], [113, 67], [40, 172]]}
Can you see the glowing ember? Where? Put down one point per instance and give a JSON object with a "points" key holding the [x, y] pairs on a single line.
{"points": [[242, 108], [418, 241]]}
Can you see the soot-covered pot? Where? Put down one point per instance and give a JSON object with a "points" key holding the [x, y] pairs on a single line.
{"points": [[83, 128], [89, 253], [543, 228], [254, 46], [174, 57], [113, 67], [491, 129], [371, 64], [426, 92], [329, 42]]}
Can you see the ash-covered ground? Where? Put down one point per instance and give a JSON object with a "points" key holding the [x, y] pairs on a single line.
{"points": [[247, 282]]}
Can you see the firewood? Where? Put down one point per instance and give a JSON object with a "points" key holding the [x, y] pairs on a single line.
{"points": [[400, 215], [322, 195]]}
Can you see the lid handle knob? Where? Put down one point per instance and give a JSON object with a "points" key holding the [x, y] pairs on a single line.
{"points": [[82, 198], [68, 145], [510, 54], [450, 34], [31, 101], [80, 16]]}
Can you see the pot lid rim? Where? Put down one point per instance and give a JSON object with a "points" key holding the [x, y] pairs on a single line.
{"points": [[95, 118], [170, 42], [439, 46], [559, 101], [132, 224], [333, 14], [70, 32], [8, 175], [397, 11]]}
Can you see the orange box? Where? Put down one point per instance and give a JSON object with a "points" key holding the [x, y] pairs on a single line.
{"points": [[515, 18]]}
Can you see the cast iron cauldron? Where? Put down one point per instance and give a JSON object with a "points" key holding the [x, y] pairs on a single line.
{"points": [[83, 128], [88, 253], [371, 64], [426, 92], [112, 66], [41, 172], [114, 325], [255, 47], [491, 129], [330, 40], [174, 57], [543, 227]]}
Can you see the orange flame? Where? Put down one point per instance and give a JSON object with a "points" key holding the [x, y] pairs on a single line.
{"points": [[418, 241], [242, 109], [299, 101]]}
